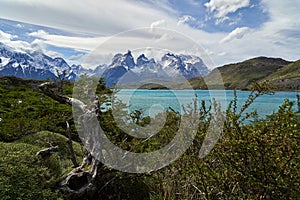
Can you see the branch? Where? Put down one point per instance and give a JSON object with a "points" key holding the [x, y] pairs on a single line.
{"points": [[46, 88], [69, 142], [47, 152]]}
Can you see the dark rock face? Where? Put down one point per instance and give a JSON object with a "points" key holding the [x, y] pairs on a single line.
{"points": [[112, 75]]}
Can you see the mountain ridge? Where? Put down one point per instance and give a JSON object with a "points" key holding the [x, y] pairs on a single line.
{"points": [[242, 75], [124, 70], [123, 67]]}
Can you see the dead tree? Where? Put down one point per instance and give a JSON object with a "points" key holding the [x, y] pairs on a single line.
{"points": [[91, 178], [70, 145], [82, 182]]}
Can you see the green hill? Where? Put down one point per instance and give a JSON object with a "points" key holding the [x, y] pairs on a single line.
{"points": [[241, 75], [287, 78]]}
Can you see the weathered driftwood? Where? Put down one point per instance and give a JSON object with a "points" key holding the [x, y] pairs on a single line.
{"points": [[69, 142], [81, 182], [91, 179], [47, 152]]}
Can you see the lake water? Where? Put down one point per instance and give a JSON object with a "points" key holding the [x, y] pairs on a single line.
{"points": [[152, 102]]}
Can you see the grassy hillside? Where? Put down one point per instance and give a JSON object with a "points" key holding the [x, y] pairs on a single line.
{"points": [[287, 77], [24, 175], [25, 115], [241, 75]]}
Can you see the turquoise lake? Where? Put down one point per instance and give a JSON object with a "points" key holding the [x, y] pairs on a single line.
{"points": [[152, 102]]}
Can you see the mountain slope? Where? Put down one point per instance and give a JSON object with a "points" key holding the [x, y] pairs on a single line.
{"points": [[34, 65], [127, 71], [241, 75], [287, 77], [124, 70], [281, 75]]}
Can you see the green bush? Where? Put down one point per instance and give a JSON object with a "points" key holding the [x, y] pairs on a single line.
{"points": [[252, 161], [259, 160]]}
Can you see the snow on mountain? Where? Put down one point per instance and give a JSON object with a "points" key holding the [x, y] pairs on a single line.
{"points": [[186, 65], [32, 65], [123, 68], [4, 61]]}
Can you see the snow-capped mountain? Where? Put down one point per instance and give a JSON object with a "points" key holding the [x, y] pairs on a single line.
{"points": [[123, 68], [34, 65], [186, 65]]}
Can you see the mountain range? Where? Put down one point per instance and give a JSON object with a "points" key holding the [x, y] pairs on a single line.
{"points": [[125, 70], [33, 65]]}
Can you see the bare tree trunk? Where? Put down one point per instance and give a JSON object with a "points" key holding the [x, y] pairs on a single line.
{"points": [[81, 182], [69, 142]]}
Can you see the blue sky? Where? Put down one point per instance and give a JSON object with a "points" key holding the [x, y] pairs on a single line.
{"points": [[226, 30], [252, 16]]}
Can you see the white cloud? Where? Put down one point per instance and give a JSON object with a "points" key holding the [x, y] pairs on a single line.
{"points": [[159, 23], [77, 43], [237, 33], [19, 26], [6, 36], [39, 34], [191, 21], [38, 45], [21, 46], [279, 37], [221, 20], [89, 16], [223, 7], [18, 45], [185, 19]]}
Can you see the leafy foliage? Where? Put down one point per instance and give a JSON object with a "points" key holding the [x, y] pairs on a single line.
{"points": [[250, 161]]}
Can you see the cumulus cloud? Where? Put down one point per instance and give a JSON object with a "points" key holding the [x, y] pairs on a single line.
{"points": [[159, 23], [22, 46], [185, 19], [191, 21], [6, 36], [18, 45], [237, 33], [19, 26], [39, 34], [221, 8]]}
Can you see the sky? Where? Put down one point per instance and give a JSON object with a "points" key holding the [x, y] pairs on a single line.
{"points": [[219, 31]]}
